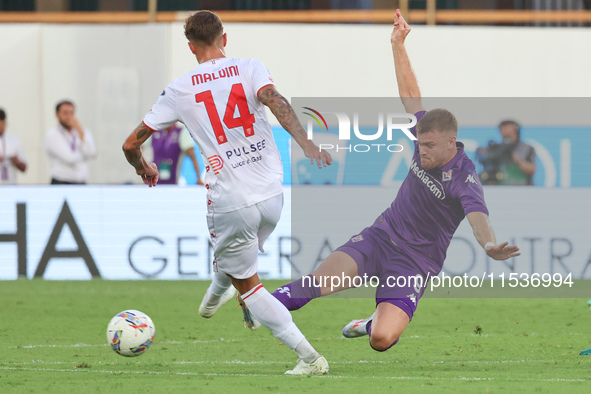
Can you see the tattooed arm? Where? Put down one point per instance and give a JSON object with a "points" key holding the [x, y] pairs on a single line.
{"points": [[133, 153], [284, 113]]}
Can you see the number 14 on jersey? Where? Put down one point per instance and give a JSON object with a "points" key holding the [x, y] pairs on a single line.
{"points": [[237, 99]]}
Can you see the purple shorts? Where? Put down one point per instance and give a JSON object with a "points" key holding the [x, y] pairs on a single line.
{"points": [[400, 280]]}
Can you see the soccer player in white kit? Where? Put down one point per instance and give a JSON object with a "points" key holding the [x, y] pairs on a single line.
{"points": [[221, 103]]}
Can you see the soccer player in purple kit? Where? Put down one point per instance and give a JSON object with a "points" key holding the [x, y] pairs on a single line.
{"points": [[411, 237]]}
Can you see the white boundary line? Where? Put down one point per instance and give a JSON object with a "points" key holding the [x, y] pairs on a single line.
{"points": [[240, 362], [247, 339], [459, 378]]}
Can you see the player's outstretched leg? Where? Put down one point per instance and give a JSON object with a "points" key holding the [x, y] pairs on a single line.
{"points": [[298, 293], [384, 327], [273, 315], [338, 265], [357, 328], [219, 292]]}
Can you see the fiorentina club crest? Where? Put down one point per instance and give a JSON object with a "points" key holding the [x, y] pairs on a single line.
{"points": [[446, 175]]}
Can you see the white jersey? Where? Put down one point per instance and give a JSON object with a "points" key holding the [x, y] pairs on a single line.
{"points": [[218, 103], [10, 146], [68, 155]]}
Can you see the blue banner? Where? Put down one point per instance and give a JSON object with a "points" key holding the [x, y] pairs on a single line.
{"points": [[562, 157]]}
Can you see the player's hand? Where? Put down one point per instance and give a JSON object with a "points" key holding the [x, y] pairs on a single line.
{"points": [[502, 251], [314, 153], [14, 160], [149, 174], [200, 182], [401, 29]]}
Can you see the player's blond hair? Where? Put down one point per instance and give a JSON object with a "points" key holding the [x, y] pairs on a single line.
{"points": [[203, 27], [438, 119]]}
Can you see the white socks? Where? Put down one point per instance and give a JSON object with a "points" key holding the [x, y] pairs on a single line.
{"points": [[306, 351], [219, 284], [275, 316]]}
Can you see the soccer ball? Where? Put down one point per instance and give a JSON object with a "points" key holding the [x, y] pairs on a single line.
{"points": [[130, 333]]}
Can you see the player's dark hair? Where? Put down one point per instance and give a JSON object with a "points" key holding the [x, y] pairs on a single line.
{"points": [[438, 119], [512, 123], [2, 114], [203, 27], [64, 102]]}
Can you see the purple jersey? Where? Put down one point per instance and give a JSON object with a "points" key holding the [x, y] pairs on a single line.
{"points": [[430, 206], [167, 152]]}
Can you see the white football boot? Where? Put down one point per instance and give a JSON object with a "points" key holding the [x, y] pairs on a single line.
{"points": [[208, 312], [356, 328], [316, 367]]}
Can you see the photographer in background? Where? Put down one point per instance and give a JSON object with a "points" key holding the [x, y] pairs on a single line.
{"points": [[511, 162]]}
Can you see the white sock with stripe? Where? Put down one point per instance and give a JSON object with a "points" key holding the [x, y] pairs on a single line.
{"points": [[275, 316], [219, 284]]}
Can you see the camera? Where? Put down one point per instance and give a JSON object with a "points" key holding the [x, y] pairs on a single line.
{"points": [[492, 158]]}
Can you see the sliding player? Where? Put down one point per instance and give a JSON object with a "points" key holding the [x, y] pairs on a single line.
{"points": [[411, 237]]}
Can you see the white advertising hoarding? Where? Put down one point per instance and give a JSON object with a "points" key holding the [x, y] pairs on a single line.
{"points": [[133, 232], [116, 232]]}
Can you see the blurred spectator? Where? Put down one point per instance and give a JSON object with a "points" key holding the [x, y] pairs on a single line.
{"points": [[12, 154], [510, 162], [69, 146], [351, 4], [168, 144]]}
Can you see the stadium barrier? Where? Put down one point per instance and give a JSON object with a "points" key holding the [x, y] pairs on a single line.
{"points": [[132, 232], [106, 76], [469, 17]]}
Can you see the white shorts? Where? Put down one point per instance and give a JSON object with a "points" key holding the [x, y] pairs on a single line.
{"points": [[237, 236]]}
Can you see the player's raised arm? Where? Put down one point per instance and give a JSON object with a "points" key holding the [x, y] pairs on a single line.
{"points": [[133, 153], [408, 88], [284, 113], [486, 238]]}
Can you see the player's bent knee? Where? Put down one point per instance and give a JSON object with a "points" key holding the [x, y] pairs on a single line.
{"points": [[382, 343]]}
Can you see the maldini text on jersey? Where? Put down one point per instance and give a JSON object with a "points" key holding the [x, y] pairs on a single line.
{"points": [[226, 72]]}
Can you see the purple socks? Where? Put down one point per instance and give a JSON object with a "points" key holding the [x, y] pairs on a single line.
{"points": [[298, 293]]}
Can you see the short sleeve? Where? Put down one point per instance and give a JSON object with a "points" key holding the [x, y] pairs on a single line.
{"points": [[261, 77], [163, 113], [470, 193]]}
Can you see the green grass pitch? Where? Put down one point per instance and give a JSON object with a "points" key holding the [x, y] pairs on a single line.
{"points": [[52, 340]]}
